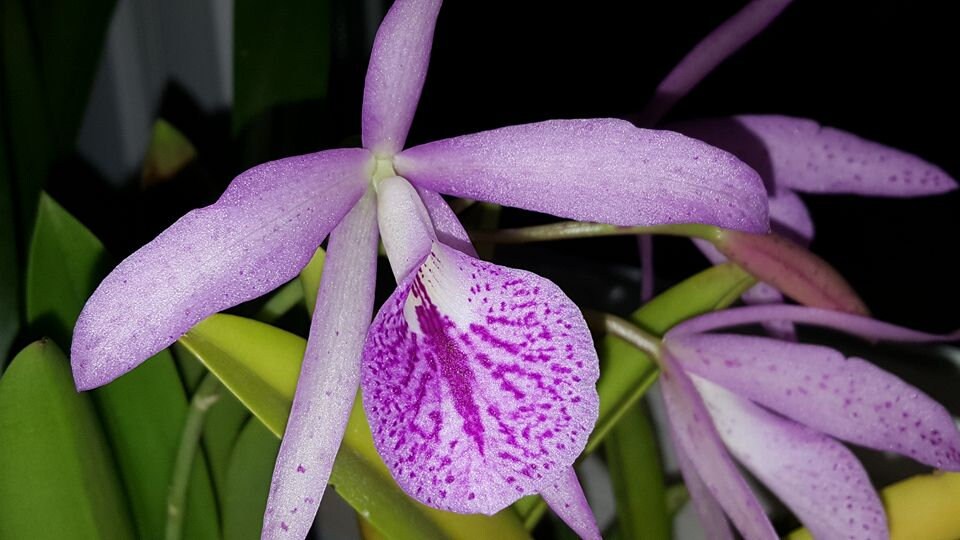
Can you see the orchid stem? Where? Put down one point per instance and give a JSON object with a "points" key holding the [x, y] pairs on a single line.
{"points": [[625, 330], [569, 230], [208, 393]]}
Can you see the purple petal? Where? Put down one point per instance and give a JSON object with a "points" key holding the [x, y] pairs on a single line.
{"points": [[697, 437], [446, 223], [789, 217], [594, 170], [478, 381], [815, 476], [395, 75], [850, 399], [761, 293], [258, 235], [408, 234], [329, 377], [799, 154], [719, 45], [566, 499], [856, 325], [711, 514]]}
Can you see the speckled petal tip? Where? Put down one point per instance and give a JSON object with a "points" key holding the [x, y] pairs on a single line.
{"points": [[716, 47], [566, 499], [695, 435], [847, 398], [329, 377], [478, 382], [856, 325], [594, 170], [395, 74], [799, 154], [818, 478], [258, 235]]}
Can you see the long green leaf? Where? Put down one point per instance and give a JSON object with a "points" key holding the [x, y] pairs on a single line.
{"points": [[64, 265], [57, 474], [260, 364], [143, 411], [633, 458], [248, 481]]}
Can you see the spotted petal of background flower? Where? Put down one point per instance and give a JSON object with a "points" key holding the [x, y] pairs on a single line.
{"points": [[258, 235], [478, 382]]}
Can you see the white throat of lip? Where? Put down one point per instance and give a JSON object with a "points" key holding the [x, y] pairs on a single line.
{"points": [[405, 225]]}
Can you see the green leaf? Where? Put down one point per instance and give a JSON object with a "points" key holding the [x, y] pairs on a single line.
{"points": [[627, 373], [271, 72], [248, 481], [310, 278], [260, 365], [58, 478], [142, 411], [64, 265], [168, 153], [633, 458]]}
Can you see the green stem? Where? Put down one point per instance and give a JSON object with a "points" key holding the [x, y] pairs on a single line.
{"points": [[568, 230], [625, 330], [206, 395]]}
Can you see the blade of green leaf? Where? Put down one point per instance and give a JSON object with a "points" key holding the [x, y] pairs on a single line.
{"points": [[271, 73], [627, 373], [260, 365], [637, 475], [310, 279], [143, 411], [57, 471], [248, 481], [64, 264], [168, 153]]}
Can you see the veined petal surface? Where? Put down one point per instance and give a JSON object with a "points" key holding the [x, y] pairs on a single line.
{"points": [[329, 377], [817, 477], [695, 434], [602, 170], [479, 383], [395, 75], [258, 235], [800, 154], [847, 398]]}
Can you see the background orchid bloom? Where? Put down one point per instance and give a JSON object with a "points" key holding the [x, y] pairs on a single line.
{"points": [[478, 379], [779, 407], [791, 154]]}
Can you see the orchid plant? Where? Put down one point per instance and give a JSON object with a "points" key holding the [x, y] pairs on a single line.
{"points": [[480, 384], [478, 380]]}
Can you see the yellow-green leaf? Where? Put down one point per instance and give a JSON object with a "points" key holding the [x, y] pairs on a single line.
{"points": [[260, 365]]}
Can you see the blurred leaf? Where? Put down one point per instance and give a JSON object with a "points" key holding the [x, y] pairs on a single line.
{"points": [[248, 481], [58, 478], [627, 373], [64, 265], [168, 153], [281, 301], [142, 411], [268, 71], [633, 458], [260, 364], [924, 506], [48, 63]]}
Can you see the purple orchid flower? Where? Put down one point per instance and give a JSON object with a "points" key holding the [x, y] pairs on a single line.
{"points": [[478, 380], [778, 407], [791, 154]]}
